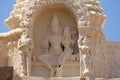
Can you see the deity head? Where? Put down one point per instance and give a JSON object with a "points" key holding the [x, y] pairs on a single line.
{"points": [[67, 33], [55, 24]]}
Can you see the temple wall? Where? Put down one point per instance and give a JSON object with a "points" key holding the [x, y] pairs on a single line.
{"points": [[112, 53], [58, 38]]}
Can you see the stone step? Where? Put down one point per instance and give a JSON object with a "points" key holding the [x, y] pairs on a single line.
{"points": [[62, 78], [51, 78]]}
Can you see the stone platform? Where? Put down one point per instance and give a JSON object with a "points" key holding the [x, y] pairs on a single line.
{"points": [[52, 78], [63, 78], [115, 79]]}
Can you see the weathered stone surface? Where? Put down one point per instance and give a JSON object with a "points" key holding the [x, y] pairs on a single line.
{"points": [[115, 79], [52, 78], [99, 79], [60, 40]]}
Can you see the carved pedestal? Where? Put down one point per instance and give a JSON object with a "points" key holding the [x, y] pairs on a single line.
{"points": [[52, 78]]}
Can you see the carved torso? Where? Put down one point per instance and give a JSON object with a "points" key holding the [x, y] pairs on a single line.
{"points": [[55, 42], [68, 44]]}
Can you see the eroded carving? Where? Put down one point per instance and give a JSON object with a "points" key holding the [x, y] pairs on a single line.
{"points": [[52, 44], [67, 49], [86, 56], [58, 48], [25, 46], [11, 46]]}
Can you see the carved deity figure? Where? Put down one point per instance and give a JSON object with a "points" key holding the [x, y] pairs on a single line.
{"points": [[86, 56], [55, 39], [25, 45], [68, 47], [68, 50], [52, 44]]}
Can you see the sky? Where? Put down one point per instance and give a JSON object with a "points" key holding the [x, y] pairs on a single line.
{"points": [[111, 10]]}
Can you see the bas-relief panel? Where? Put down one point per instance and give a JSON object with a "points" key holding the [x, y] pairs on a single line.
{"points": [[55, 40], [55, 36]]}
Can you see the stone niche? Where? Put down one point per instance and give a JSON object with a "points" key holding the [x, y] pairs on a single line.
{"points": [[47, 22]]}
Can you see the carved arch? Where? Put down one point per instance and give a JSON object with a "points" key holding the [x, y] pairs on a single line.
{"points": [[32, 6]]}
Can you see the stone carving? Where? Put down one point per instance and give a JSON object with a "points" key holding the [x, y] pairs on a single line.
{"points": [[12, 35], [52, 44], [25, 46], [86, 56], [11, 52], [56, 24], [56, 45], [68, 47], [33, 8]]}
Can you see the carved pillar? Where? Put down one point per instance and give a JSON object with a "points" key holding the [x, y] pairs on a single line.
{"points": [[25, 46], [90, 30], [86, 42]]}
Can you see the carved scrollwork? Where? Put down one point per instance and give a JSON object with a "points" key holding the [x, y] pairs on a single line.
{"points": [[36, 4]]}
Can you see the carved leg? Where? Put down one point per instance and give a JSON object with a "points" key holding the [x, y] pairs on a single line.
{"points": [[61, 60], [59, 72], [22, 64], [87, 65], [28, 60], [22, 71], [43, 60]]}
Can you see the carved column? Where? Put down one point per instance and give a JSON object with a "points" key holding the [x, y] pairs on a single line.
{"points": [[90, 30], [25, 46], [86, 42]]}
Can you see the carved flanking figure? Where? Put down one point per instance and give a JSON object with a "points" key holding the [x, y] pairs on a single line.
{"points": [[86, 56], [11, 46], [25, 46], [67, 44]]}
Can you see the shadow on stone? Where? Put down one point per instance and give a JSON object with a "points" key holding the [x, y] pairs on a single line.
{"points": [[6, 73]]}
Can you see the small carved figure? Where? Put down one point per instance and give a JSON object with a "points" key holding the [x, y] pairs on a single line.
{"points": [[86, 56], [67, 48], [25, 45], [74, 36], [11, 46]]}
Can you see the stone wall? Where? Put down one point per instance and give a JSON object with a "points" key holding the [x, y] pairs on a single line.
{"points": [[112, 54]]}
